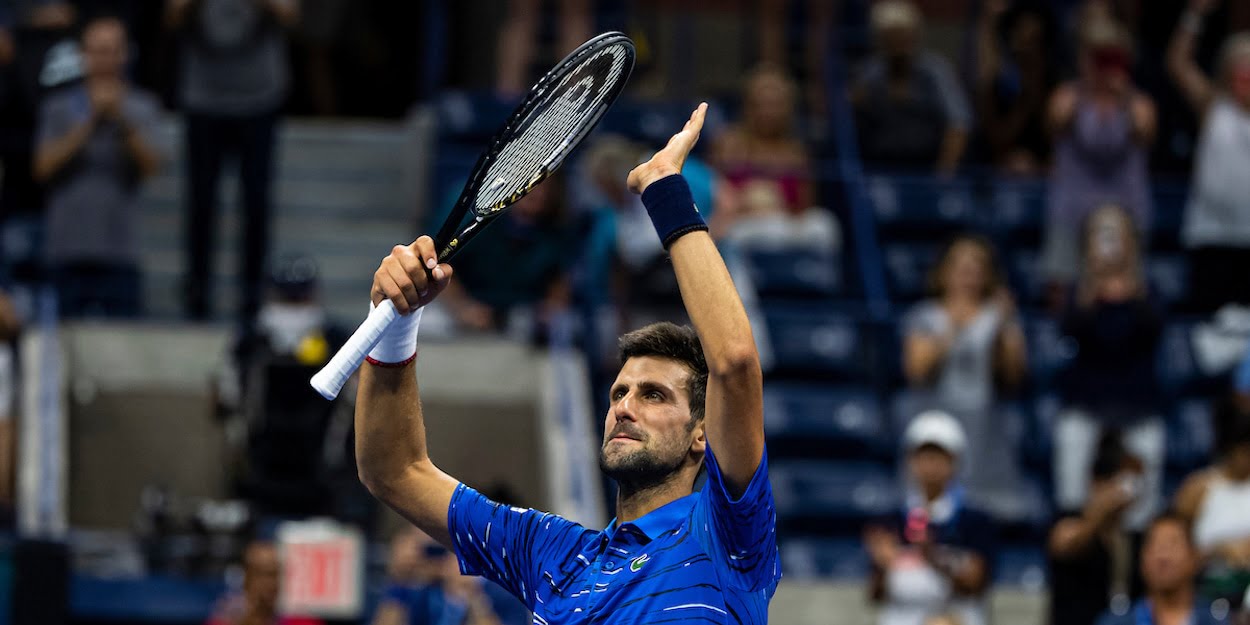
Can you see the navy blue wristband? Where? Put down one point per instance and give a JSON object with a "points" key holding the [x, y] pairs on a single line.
{"points": [[671, 208]]}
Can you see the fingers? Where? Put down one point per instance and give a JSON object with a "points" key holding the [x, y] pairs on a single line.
{"points": [[424, 249]]}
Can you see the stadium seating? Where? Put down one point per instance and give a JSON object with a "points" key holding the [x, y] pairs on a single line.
{"points": [[816, 420], [795, 274], [827, 497], [819, 341]]}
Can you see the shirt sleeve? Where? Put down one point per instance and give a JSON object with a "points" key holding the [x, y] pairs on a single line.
{"points": [[740, 535], [507, 545]]}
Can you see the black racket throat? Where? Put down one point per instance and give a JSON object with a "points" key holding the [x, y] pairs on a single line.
{"points": [[557, 114]]}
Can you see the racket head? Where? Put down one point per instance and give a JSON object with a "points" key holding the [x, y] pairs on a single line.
{"points": [[558, 112]]}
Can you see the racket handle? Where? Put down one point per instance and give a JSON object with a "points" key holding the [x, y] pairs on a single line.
{"points": [[330, 380]]}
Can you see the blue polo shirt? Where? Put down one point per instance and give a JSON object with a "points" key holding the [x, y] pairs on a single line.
{"points": [[705, 557]]}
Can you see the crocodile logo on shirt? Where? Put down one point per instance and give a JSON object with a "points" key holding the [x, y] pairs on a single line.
{"points": [[636, 565]]}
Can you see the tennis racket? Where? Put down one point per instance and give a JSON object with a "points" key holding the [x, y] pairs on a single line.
{"points": [[559, 112]]}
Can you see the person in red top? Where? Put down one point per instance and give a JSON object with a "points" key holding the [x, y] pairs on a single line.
{"points": [[258, 603]]}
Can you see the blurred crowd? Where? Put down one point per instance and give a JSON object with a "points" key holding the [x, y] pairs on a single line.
{"points": [[1091, 99]]}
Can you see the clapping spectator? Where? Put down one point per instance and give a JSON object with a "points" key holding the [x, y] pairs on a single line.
{"points": [[1111, 382], [1217, 218], [257, 604], [1216, 499], [1102, 127], [234, 80], [95, 146], [936, 556], [1092, 558], [960, 347], [1015, 75], [910, 109], [768, 199], [1169, 564]]}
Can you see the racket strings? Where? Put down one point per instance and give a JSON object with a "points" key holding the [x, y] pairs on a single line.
{"points": [[573, 105]]}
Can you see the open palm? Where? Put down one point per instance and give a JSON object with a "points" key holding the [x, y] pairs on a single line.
{"points": [[669, 160]]}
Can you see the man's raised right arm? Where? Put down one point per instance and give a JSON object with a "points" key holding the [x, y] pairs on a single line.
{"points": [[391, 454]]}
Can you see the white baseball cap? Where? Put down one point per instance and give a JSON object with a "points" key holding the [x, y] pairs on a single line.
{"points": [[935, 427]]}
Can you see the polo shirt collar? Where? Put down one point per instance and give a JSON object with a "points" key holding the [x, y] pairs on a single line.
{"points": [[663, 519]]}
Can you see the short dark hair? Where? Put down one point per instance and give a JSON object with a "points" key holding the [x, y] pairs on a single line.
{"points": [[1170, 516], [674, 342]]}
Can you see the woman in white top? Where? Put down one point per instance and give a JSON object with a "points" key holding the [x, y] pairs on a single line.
{"points": [[1216, 502], [1217, 219]]}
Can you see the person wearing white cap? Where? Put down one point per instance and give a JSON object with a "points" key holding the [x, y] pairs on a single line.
{"points": [[933, 556]]}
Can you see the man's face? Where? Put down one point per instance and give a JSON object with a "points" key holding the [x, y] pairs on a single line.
{"points": [[262, 574], [1168, 561], [931, 467], [104, 48], [648, 434]]}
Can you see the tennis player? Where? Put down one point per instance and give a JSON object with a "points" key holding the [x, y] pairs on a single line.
{"points": [[672, 553]]}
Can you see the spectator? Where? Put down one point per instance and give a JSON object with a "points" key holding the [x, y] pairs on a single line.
{"points": [[961, 346], [1217, 218], [768, 198], [234, 80], [935, 557], [518, 268], [764, 147], [910, 109], [1215, 501], [1111, 382], [95, 145], [1092, 558], [426, 588], [1169, 563], [519, 32], [1102, 127], [258, 603], [1015, 74]]}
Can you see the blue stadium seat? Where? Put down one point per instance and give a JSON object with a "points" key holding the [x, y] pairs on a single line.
{"points": [[834, 493], [1168, 276], [1021, 566], [816, 340], [1037, 447], [833, 422], [907, 267], [921, 202], [1025, 512], [1049, 350], [794, 273], [1191, 435], [1024, 274], [1017, 210], [1169, 210], [824, 558], [1179, 373]]}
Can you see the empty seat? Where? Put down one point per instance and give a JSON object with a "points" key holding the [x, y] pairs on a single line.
{"points": [[1167, 275], [834, 495], [1191, 434], [921, 202], [907, 267], [1049, 350], [1024, 274], [817, 341], [794, 273], [1017, 210], [833, 422], [1021, 566], [1179, 372], [824, 558]]}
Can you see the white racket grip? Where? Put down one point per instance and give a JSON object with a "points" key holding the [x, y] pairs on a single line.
{"points": [[330, 380]]}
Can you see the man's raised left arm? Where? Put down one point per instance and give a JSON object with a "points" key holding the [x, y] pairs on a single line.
{"points": [[734, 421]]}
